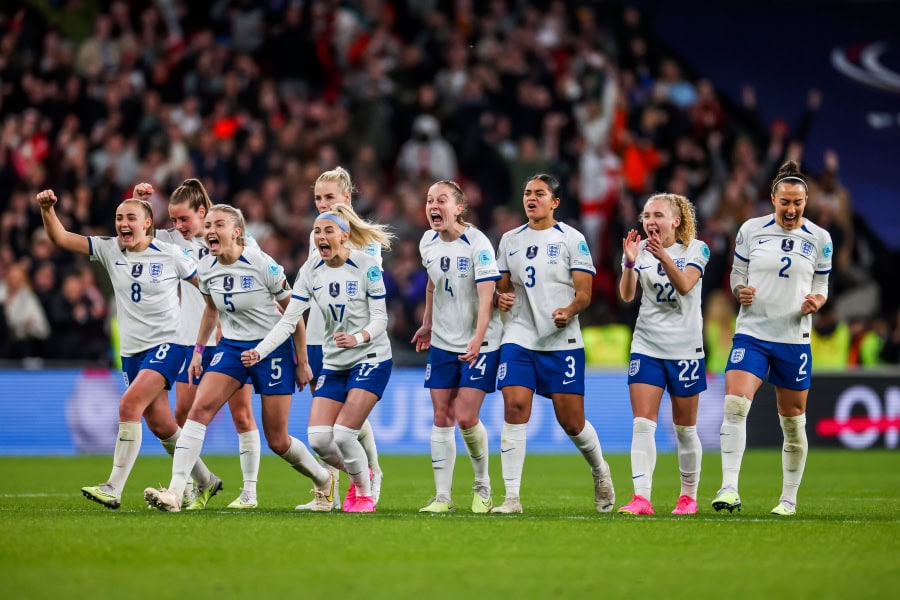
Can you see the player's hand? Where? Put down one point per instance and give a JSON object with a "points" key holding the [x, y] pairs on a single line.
{"points": [[46, 199], [745, 296], [505, 301], [249, 358], [631, 245], [561, 317], [143, 191], [654, 245], [303, 375], [195, 370], [810, 305], [344, 340], [422, 338], [472, 350]]}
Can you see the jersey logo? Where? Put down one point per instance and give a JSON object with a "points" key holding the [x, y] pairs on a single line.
{"points": [[427, 371], [352, 288], [553, 250], [583, 248], [228, 283], [704, 250], [531, 252], [679, 262], [484, 257], [827, 250], [660, 270], [185, 253], [462, 264], [445, 263], [373, 274], [737, 355], [334, 288], [136, 270], [320, 382], [806, 248], [156, 269], [634, 366], [246, 282], [787, 245], [274, 268], [501, 372], [202, 252], [372, 249]]}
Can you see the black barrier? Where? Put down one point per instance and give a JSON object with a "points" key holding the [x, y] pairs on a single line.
{"points": [[844, 410]]}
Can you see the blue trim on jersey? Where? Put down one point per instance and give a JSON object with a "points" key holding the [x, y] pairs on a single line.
{"points": [[522, 228], [376, 297], [191, 276], [736, 255], [90, 246], [321, 262], [465, 239], [803, 227], [504, 271], [436, 234], [215, 262], [299, 297], [822, 272], [152, 247], [579, 269], [488, 279], [696, 266], [557, 227], [352, 264], [241, 258], [772, 222]]}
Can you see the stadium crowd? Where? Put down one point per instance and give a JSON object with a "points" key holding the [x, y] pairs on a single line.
{"points": [[257, 98]]}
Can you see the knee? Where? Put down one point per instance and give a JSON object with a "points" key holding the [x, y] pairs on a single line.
{"points": [[279, 444], [181, 414], [468, 421], [345, 438], [243, 420], [572, 429], [320, 439]]}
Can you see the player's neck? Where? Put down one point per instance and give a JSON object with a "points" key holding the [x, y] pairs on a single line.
{"points": [[452, 233], [542, 223], [337, 260], [231, 255], [140, 246]]}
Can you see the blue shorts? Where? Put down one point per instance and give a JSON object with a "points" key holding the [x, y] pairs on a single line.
{"points": [[553, 372], [683, 377], [165, 359], [314, 355], [273, 375], [372, 377], [208, 354], [445, 371], [787, 365]]}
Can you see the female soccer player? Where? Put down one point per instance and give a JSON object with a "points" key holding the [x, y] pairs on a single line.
{"points": [[336, 187], [241, 286], [667, 347], [188, 207], [461, 332], [543, 264], [145, 274], [348, 290], [780, 277]]}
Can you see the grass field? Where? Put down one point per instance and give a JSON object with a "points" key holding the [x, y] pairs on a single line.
{"points": [[844, 541]]}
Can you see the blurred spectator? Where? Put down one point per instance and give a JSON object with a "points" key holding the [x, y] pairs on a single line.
{"points": [[76, 316], [890, 352], [26, 325], [829, 340], [865, 342], [426, 155]]}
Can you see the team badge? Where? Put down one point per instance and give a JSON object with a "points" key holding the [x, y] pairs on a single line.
{"points": [[462, 264], [827, 250], [787, 245], [334, 289], [679, 262], [216, 358], [484, 258], [246, 282], [553, 250], [202, 252], [352, 287], [531, 252], [373, 274], [660, 270], [320, 382], [583, 248], [634, 366], [136, 270], [445, 263], [372, 249], [228, 283], [155, 270], [737, 355], [427, 371], [501, 372], [806, 248]]}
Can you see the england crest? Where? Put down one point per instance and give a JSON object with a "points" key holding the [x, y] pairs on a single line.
{"points": [[334, 288], [531, 252], [246, 282], [216, 358], [634, 366], [136, 270], [462, 264], [501, 372], [679, 262], [553, 250], [228, 283], [352, 287], [155, 270], [320, 382], [806, 248], [737, 355], [445, 263], [427, 371], [787, 245]]}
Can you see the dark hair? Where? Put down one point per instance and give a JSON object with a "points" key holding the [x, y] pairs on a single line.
{"points": [[192, 192], [790, 173], [459, 197], [550, 180]]}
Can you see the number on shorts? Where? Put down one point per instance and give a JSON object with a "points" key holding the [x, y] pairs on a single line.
{"points": [[685, 367], [135, 292], [805, 358], [163, 350], [365, 369], [570, 362], [480, 364], [275, 365]]}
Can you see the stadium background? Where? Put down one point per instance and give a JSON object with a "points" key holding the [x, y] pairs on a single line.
{"points": [[97, 96]]}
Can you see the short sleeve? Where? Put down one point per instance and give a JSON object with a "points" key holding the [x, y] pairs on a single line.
{"points": [[698, 255], [579, 254], [742, 244], [826, 253], [375, 282], [276, 282], [485, 262], [501, 256], [184, 264]]}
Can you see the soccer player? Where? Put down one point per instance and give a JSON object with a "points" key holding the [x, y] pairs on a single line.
{"points": [[188, 207], [546, 272], [667, 347], [780, 277], [348, 290], [335, 187], [145, 275], [240, 284], [461, 332]]}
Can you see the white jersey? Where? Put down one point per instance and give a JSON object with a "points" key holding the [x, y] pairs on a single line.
{"points": [[146, 286], [781, 265], [670, 325], [192, 302], [315, 325], [540, 263], [348, 297], [456, 268], [244, 292]]}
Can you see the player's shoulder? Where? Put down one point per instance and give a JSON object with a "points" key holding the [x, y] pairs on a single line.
{"points": [[820, 233], [429, 239], [515, 232], [361, 259], [475, 237]]}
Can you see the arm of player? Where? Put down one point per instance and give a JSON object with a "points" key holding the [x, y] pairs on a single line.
{"points": [[376, 326], [283, 329], [303, 373], [422, 337], [631, 245], [582, 281], [208, 323], [56, 231], [743, 292], [504, 297], [485, 291]]}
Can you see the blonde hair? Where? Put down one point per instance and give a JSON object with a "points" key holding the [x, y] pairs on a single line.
{"points": [[148, 208], [460, 199], [683, 208], [362, 232], [237, 218], [341, 177], [192, 192]]}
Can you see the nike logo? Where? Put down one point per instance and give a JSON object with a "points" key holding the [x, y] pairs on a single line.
{"points": [[438, 460], [476, 378], [642, 267], [155, 362], [244, 452], [315, 289], [567, 381], [428, 262], [362, 378], [122, 264], [687, 385], [271, 383], [505, 450], [181, 448], [514, 252], [761, 242], [125, 440], [801, 378], [637, 476]]}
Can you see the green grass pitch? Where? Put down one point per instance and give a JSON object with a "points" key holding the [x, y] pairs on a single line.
{"points": [[843, 543]]}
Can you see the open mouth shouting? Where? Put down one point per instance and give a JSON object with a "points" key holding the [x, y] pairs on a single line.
{"points": [[126, 235], [790, 219], [325, 250], [436, 218], [212, 241]]}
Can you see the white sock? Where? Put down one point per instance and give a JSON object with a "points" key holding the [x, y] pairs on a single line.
{"points": [[128, 446], [793, 458], [690, 455], [443, 459], [321, 440], [199, 473], [643, 455], [476, 440], [302, 460], [367, 440], [355, 459], [512, 456], [187, 451], [589, 445], [733, 438], [249, 448]]}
